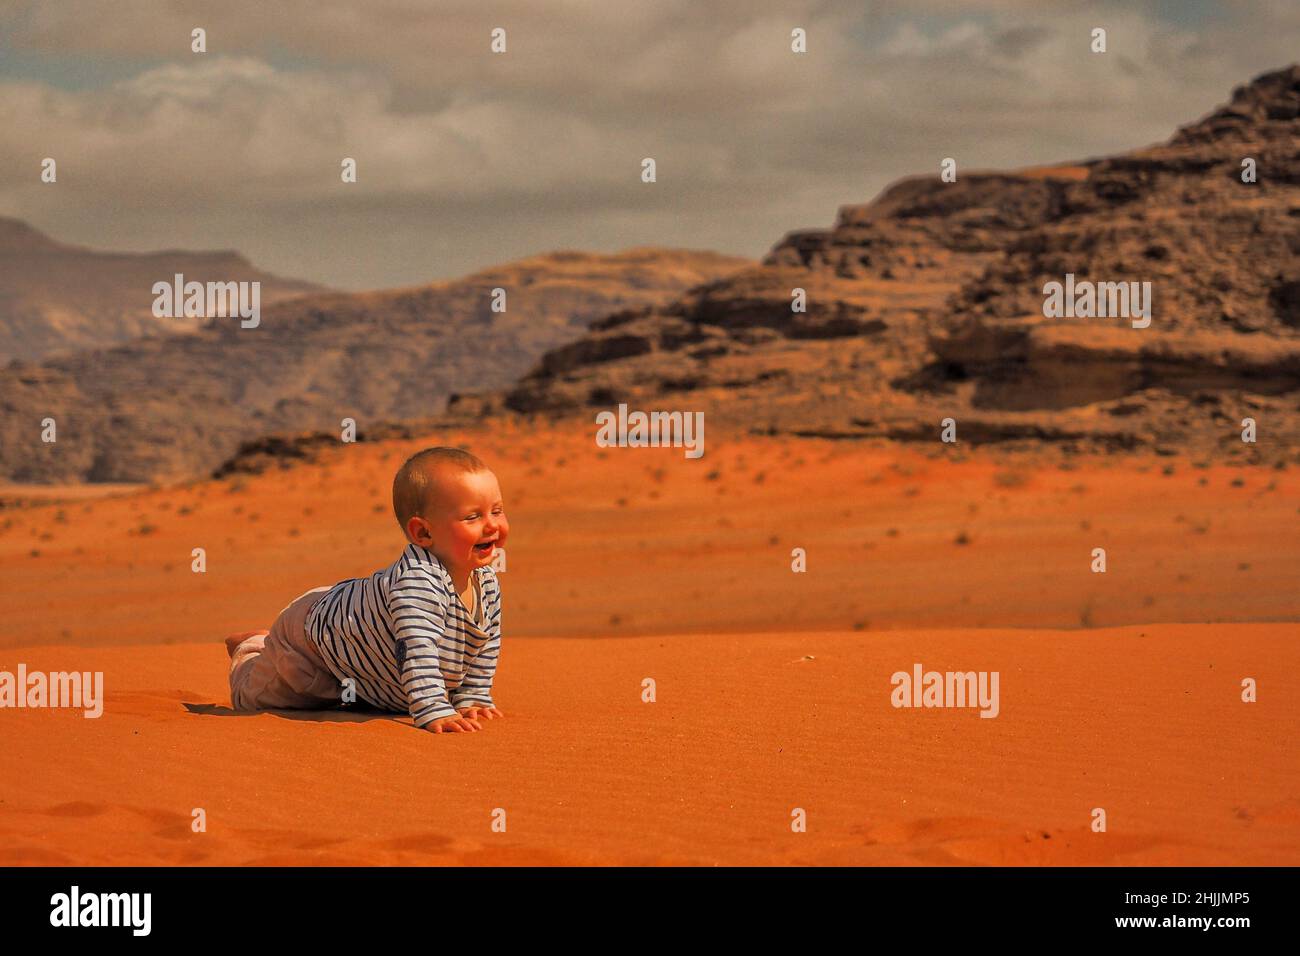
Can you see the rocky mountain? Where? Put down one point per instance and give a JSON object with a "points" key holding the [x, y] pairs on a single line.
{"points": [[57, 298], [178, 406], [930, 303]]}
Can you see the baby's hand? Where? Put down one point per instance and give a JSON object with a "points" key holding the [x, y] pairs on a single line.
{"points": [[459, 724], [479, 711]]}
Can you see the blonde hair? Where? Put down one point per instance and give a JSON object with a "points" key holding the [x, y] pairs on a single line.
{"points": [[415, 481]]}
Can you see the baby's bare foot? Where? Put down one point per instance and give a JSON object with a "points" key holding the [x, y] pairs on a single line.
{"points": [[234, 640]]}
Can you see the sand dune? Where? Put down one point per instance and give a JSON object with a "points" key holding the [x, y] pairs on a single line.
{"points": [[1145, 722], [610, 542], [773, 687]]}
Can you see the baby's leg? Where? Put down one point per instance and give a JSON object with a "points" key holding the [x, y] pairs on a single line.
{"points": [[280, 668], [254, 681], [234, 640]]}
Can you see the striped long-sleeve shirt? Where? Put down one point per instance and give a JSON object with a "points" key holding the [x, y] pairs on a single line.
{"points": [[406, 639]]}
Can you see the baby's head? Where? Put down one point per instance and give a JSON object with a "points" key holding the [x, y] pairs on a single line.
{"points": [[447, 501]]}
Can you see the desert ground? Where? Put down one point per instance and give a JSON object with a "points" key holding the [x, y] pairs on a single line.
{"points": [[1119, 691]]}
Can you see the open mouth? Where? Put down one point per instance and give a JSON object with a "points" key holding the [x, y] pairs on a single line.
{"points": [[485, 547]]}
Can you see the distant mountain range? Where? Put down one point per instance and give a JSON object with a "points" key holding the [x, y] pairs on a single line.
{"points": [[178, 406], [57, 299], [925, 304], [928, 303]]}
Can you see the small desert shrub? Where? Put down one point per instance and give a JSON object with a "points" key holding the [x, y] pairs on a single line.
{"points": [[1010, 478]]}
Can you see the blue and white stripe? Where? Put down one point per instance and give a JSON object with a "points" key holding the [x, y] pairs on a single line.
{"points": [[406, 639]]}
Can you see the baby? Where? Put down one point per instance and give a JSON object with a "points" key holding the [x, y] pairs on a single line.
{"points": [[420, 636]]}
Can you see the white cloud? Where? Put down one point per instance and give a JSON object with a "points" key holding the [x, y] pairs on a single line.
{"points": [[539, 148]]}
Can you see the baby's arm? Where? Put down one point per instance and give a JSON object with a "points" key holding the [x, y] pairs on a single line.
{"points": [[419, 613], [473, 698], [475, 691]]}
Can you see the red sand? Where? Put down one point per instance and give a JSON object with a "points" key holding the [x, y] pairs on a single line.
{"points": [[682, 582]]}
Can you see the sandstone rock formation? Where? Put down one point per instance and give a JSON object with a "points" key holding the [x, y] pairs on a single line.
{"points": [[180, 405], [929, 303]]}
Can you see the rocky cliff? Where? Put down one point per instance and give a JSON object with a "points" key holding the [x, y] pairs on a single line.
{"points": [[179, 406], [929, 303]]}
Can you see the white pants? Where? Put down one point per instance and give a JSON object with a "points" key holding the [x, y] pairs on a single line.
{"points": [[281, 668]]}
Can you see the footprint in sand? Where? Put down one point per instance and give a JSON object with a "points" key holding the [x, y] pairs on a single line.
{"points": [[77, 808]]}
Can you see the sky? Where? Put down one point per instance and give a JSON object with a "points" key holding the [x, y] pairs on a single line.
{"points": [[468, 158]]}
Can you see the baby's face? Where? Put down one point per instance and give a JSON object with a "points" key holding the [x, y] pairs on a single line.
{"points": [[470, 523]]}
